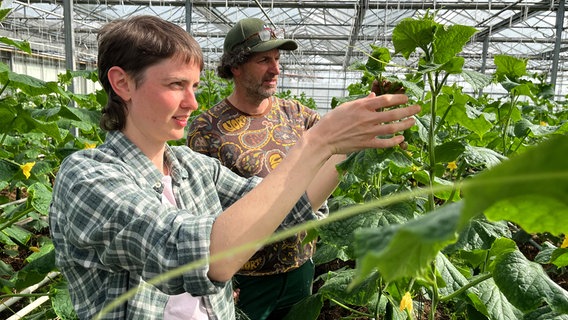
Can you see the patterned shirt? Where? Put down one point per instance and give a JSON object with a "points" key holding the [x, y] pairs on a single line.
{"points": [[254, 146], [112, 233]]}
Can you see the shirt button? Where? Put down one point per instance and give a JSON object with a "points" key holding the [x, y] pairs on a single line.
{"points": [[158, 186]]}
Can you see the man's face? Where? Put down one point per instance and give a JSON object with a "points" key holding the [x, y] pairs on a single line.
{"points": [[259, 75]]}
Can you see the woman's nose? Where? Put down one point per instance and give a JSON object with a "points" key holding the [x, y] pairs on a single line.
{"points": [[190, 100]]}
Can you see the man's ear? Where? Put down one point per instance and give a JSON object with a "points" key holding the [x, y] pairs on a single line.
{"points": [[120, 82], [236, 70]]}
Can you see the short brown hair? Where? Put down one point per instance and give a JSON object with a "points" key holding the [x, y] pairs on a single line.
{"points": [[232, 59], [135, 44]]}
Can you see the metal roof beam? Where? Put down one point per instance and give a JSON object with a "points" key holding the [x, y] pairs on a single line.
{"points": [[413, 5], [528, 11], [361, 9]]}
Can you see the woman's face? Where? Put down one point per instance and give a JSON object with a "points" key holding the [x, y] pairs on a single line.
{"points": [[160, 106]]}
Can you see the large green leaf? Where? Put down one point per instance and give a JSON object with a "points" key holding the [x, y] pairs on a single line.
{"points": [[451, 193], [458, 112], [479, 234], [337, 286], [28, 84], [40, 198], [379, 58], [509, 67], [307, 309], [484, 157], [406, 250], [410, 34], [485, 296], [4, 13], [36, 270], [496, 304], [559, 257], [22, 45], [329, 252], [366, 163], [545, 313], [476, 79], [23, 122], [61, 301], [449, 41], [529, 189], [452, 277], [526, 285], [8, 169], [340, 234], [454, 65], [16, 235], [449, 151]]}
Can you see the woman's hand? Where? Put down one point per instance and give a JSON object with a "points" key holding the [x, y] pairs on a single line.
{"points": [[358, 124]]}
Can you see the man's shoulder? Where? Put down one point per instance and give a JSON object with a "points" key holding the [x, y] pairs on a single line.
{"points": [[218, 109], [212, 114], [293, 106]]}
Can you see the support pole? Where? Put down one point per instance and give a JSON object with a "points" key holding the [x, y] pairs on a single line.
{"points": [[556, 54], [188, 15], [69, 48]]}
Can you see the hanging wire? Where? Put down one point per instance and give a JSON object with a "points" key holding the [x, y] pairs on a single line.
{"points": [[264, 13]]}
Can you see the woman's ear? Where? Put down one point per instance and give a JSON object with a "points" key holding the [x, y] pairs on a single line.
{"points": [[120, 82]]}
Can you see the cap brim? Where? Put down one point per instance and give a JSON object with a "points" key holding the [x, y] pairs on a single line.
{"points": [[282, 44]]}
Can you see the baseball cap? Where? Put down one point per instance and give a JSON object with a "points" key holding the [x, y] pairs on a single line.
{"points": [[255, 34]]}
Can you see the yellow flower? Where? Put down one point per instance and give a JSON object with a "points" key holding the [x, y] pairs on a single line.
{"points": [[34, 249], [89, 145], [406, 302], [27, 168], [564, 243], [543, 123], [452, 166]]}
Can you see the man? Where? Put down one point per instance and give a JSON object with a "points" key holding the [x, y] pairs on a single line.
{"points": [[250, 132]]}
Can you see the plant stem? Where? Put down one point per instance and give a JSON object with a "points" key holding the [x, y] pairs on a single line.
{"points": [[4, 87], [24, 295], [379, 295], [351, 309], [458, 175], [464, 288], [435, 295], [432, 141], [514, 99], [15, 219]]}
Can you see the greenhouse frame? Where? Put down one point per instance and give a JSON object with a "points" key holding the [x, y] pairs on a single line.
{"points": [[332, 35]]}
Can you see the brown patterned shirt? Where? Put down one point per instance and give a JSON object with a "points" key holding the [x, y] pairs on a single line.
{"points": [[253, 146]]}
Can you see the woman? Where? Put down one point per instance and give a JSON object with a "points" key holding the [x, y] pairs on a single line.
{"points": [[134, 207]]}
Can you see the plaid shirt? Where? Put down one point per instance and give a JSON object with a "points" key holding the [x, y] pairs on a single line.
{"points": [[112, 233]]}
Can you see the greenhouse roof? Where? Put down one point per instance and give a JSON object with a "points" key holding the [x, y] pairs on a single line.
{"points": [[332, 35]]}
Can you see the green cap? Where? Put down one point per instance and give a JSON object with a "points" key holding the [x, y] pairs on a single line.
{"points": [[246, 33]]}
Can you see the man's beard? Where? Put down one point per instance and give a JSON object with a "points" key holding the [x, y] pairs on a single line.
{"points": [[266, 93], [260, 93]]}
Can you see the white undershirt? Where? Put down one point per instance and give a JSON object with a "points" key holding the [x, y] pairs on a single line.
{"points": [[182, 306]]}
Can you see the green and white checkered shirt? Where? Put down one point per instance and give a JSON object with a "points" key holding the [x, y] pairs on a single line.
{"points": [[112, 233]]}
